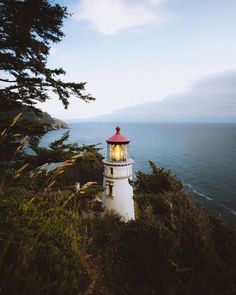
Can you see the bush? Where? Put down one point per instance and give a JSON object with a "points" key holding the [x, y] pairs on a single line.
{"points": [[130, 256], [38, 247], [87, 168], [158, 181], [173, 246]]}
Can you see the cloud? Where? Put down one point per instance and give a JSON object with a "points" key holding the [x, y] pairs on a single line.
{"points": [[155, 1], [212, 98], [111, 16]]}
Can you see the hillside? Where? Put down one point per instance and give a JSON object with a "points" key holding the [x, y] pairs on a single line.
{"points": [[30, 122], [54, 242]]}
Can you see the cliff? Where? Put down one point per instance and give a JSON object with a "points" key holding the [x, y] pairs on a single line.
{"points": [[30, 122]]}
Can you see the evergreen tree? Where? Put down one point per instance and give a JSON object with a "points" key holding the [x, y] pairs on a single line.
{"points": [[28, 28]]}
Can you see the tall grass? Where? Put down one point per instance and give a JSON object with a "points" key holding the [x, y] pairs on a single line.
{"points": [[39, 237]]}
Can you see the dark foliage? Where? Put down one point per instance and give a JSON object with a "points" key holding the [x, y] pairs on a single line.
{"points": [[38, 252], [86, 168], [58, 151], [158, 181], [130, 256], [35, 155], [173, 246], [27, 31]]}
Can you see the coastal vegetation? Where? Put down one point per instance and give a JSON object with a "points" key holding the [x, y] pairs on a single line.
{"points": [[53, 239], [173, 246]]}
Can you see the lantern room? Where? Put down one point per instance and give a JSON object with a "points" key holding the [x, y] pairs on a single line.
{"points": [[117, 147]]}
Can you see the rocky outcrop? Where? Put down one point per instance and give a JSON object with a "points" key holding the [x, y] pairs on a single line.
{"points": [[59, 124]]}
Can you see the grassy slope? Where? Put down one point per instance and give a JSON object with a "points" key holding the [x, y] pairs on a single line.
{"points": [[173, 246]]}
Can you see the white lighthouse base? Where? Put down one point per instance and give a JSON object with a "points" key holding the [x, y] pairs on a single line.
{"points": [[118, 193]]}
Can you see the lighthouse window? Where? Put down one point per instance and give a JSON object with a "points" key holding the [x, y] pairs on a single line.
{"points": [[111, 171], [110, 190]]}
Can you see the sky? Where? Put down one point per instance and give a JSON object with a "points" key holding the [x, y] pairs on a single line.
{"points": [[210, 99], [134, 52]]}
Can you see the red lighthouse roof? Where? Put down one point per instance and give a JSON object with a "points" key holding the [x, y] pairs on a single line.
{"points": [[117, 138]]}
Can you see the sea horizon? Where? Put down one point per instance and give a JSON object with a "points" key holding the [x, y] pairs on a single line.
{"points": [[201, 155]]}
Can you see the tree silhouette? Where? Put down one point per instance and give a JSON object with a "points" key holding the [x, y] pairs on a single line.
{"points": [[27, 31]]}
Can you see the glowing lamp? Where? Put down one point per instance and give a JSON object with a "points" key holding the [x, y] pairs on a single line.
{"points": [[117, 152], [117, 147]]}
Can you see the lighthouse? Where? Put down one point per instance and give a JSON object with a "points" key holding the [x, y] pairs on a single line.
{"points": [[118, 193]]}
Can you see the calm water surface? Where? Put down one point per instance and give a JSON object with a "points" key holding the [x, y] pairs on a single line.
{"points": [[203, 156]]}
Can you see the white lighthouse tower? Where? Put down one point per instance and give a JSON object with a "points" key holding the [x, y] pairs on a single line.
{"points": [[118, 193]]}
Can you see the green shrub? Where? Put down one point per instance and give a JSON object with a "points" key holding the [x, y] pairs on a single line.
{"points": [[158, 181], [130, 256], [38, 247], [173, 246]]}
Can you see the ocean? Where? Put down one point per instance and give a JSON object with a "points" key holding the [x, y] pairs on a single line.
{"points": [[202, 156]]}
